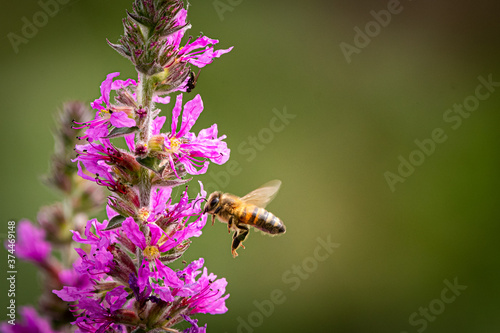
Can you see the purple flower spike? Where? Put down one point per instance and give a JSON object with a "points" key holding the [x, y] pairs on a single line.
{"points": [[117, 275]]}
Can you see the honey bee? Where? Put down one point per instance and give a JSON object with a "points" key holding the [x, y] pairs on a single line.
{"points": [[240, 213]]}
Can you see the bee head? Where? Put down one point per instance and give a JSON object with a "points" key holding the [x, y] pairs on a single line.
{"points": [[212, 203]]}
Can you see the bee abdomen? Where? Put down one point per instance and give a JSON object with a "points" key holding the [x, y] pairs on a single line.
{"points": [[263, 220]]}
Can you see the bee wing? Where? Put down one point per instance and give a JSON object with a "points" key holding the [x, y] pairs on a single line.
{"points": [[264, 194]]}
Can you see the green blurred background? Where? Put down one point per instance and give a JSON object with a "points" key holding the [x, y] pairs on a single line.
{"points": [[352, 122]]}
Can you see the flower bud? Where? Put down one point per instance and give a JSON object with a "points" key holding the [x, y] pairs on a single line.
{"points": [[124, 207], [53, 221], [145, 30], [125, 97], [124, 266], [175, 253], [126, 317], [130, 111], [141, 113], [90, 195], [141, 149], [126, 167], [156, 143], [174, 77]]}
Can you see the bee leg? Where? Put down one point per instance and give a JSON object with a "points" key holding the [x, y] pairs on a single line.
{"points": [[213, 219], [230, 224], [239, 236]]}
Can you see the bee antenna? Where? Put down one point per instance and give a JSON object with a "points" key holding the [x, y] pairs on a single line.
{"points": [[196, 201]]}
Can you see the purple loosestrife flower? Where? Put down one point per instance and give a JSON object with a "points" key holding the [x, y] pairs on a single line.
{"points": [[183, 147], [152, 249], [198, 53], [118, 115], [109, 114], [205, 295], [99, 260], [105, 160]]}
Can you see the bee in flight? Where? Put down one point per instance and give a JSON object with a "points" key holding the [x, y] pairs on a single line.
{"points": [[240, 213]]}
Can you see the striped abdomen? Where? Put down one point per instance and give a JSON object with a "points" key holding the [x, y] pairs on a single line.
{"points": [[261, 219]]}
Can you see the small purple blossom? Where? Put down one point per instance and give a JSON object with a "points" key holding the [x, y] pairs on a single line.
{"points": [[194, 326], [207, 292], [200, 52], [97, 314], [106, 87], [31, 244], [109, 114], [189, 149]]}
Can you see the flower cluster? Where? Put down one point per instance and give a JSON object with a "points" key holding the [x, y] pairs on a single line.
{"points": [[119, 277], [152, 41], [132, 284], [126, 257], [167, 157]]}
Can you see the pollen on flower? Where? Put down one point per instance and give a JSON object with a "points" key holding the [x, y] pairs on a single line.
{"points": [[104, 113], [174, 145], [151, 252], [143, 214]]}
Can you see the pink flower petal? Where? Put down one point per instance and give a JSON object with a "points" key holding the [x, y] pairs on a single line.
{"points": [[175, 114], [192, 110], [133, 232], [106, 86], [130, 141], [158, 124], [121, 119]]}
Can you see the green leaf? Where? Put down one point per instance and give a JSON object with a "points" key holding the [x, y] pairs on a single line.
{"points": [[121, 131], [170, 182], [152, 163], [115, 222]]}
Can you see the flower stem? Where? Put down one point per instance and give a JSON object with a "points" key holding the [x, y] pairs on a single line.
{"points": [[145, 99]]}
